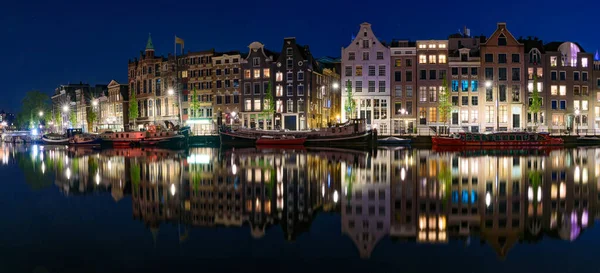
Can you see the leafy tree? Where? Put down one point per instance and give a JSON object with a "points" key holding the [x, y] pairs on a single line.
{"points": [[133, 107], [350, 105], [33, 103], [269, 106], [445, 103], [194, 105], [536, 101], [57, 119], [73, 119], [91, 117]]}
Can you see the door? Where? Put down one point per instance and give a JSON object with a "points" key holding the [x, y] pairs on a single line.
{"points": [[289, 122], [516, 121]]}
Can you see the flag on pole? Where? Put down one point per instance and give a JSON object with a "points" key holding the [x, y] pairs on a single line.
{"points": [[179, 41]]}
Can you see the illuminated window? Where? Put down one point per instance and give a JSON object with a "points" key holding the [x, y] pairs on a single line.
{"points": [[553, 61], [584, 62], [503, 114], [290, 106], [553, 90], [489, 114], [422, 59], [442, 59], [279, 76], [432, 46], [584, 105], [256, 105], [422, 46], [256, 73], [563, 90], [248, 105], [267, 73], [279, 106], [279, 91], [431, 59], [442, 46]]}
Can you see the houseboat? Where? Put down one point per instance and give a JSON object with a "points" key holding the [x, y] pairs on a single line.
{"points": [[350, 134], [497, 139], [122, 139], [164, 139], [61, 139], [85, 140]]}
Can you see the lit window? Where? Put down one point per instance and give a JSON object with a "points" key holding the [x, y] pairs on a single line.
{"points": [[422, 59], [584, 105], [442, 59], [431, 59], [422, 46], [247, 73], [267, 73], [256, 105], [279, 76], [584, 62], [256, 73], [432, 46], [553, 61], [279, 106], [248, 105], [279, 91], [563, 90], [442, 46], [553, 90]]}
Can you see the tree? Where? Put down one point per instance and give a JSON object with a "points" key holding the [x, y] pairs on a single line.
{"points": [[445, 103], [73, 119], [133, 107], [57, 119], [536, 102], [32, 104], [350, 105], [194, 105], [269, 106], [91, 117]]}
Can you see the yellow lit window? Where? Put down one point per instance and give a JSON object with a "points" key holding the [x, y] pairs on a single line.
{"points": [[554, 90], [247, 74], [563, 90], [359, 70], [431, 59], [279, 76], [422, 59], [442, 59], [267, 73], [256, 73]]}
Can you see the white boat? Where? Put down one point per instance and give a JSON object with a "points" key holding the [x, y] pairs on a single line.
{"points": [[393, 141]]}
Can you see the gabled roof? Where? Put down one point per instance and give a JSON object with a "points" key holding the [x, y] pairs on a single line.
{"points": [[532, 43]]}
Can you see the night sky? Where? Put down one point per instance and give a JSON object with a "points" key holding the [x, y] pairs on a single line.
{"points": [[47, 43]]}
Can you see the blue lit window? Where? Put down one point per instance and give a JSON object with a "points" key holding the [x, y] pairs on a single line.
{"points": [[465, 196], [474, 85], [454, 86], [454, 197], [473, 197], [465, 85]]}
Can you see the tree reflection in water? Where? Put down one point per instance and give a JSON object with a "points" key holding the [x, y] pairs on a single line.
{"points": [[427, 196]]}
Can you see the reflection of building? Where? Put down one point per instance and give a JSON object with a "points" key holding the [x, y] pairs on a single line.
{"points": [[366, 201]]}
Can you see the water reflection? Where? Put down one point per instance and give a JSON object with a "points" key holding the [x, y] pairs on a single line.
{"points": [[426, 196]]}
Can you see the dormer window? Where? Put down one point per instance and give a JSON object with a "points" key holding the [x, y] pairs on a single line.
{"points": [[289, 51], [535, 56], [502, 40], [365, 34]]}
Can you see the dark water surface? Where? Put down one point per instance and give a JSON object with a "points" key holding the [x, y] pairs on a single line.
{"points": [[313, 210]]}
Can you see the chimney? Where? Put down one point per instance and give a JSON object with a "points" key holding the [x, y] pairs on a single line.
{"points": [[502, 25]]}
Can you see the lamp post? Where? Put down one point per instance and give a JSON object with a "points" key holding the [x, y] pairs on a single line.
{"points": [[577, 121]]}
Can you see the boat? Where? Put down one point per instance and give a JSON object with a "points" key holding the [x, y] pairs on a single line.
{"points": [[85, 140], [55, 139], [353, 133], [497, 139], [280, 140], [163, 138], [122, 139], [393, 141], [588, 140]]}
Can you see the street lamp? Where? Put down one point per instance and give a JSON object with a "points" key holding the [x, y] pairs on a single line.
{"points": [[336, 85], [41, 113], [577, 121], [65, 108], [488, 84], [170, 92], [95, 102]]}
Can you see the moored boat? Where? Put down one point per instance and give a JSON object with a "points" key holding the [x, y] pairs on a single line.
{"points": [[280, 140], [353, 133], [123, 139], [55, 139], [497, 139], [85, 140], [588, 140], [393, 141], [163, 138]]}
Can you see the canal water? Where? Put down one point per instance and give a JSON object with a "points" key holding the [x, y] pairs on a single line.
{"points": [[298, 210]]}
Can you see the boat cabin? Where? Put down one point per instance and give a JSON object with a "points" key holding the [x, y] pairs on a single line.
{"points": [[516, 136]]}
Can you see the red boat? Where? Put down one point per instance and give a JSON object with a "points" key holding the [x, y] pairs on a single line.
{"points": [[497, 139], [280, 140]]}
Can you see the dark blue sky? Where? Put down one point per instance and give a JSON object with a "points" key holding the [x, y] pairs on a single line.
{"points": [[47, 43]]}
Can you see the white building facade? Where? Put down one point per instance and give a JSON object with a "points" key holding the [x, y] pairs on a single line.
{"points": [[366, 68]]}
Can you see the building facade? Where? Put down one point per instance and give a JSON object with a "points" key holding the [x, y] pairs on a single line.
{"points": [[432, 68], [403, 70], [502, 65], [299, 88], [227, 79], [366, 73], [256, 75], [114, 108], [153, 79], [464, 66]]}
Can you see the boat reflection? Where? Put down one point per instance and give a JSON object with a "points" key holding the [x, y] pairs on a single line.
{"points": [[424, 196]]}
